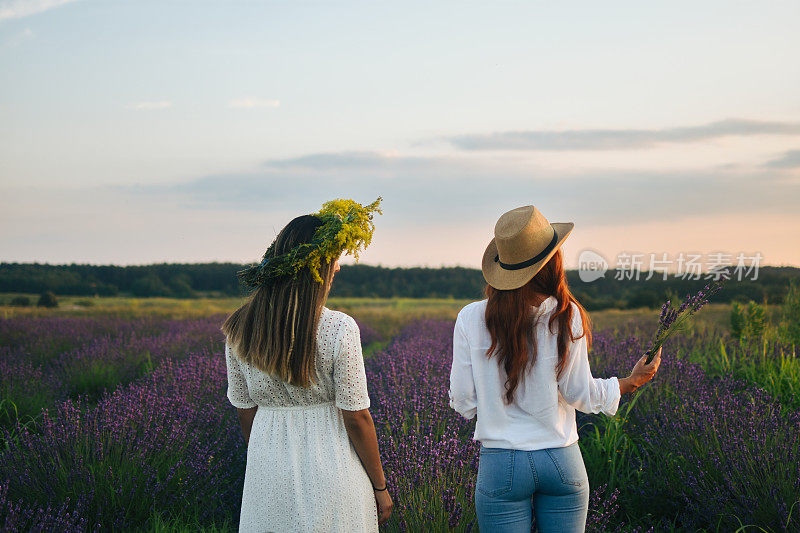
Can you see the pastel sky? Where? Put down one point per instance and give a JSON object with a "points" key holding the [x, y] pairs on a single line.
{"points": [[152, 131]]}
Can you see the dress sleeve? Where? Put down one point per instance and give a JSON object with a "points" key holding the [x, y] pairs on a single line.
{"points": [[463, 397], [576, 384], [349, 375], [238, 394]]}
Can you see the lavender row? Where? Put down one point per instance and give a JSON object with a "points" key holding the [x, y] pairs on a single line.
{"points": [[93, 361], [41, 339], [168, 443]]}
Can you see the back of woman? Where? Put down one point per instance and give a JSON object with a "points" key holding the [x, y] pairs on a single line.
{"points": [[302, 474], [338, 352], [520, 364], [296, 376], [541, 413]]}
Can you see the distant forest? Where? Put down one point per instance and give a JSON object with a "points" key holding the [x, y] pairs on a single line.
{"points": [[219, 279]]}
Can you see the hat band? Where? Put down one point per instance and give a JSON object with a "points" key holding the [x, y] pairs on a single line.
{"points": [[532, 260]]}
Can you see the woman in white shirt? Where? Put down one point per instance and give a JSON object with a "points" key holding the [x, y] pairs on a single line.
{"points": [[520, 363]]}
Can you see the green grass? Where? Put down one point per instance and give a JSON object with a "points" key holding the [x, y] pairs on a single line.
{"points": [[122, 306], [159, 523], [768, 363], [386, 315], [608, 448]]}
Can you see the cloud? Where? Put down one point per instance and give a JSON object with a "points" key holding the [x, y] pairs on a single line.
{"points": [[13, 9], [347, 159], [375, 161], [149, 105], [253, 102], [790, 159], [440, 190], [608, 139]]}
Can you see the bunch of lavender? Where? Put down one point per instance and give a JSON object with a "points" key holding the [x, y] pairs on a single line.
{"points": [[671, 320]]}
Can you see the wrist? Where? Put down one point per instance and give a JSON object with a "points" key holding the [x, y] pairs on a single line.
{"points": [[626, 385]]}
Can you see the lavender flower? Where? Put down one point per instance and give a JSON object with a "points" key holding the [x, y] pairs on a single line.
{"points": [[671, 320]]}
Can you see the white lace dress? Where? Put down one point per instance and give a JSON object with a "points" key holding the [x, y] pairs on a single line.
{"points": [[302, 473]]}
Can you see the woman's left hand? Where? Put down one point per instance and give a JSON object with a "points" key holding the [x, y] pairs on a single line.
{"points": [[385, 505]]}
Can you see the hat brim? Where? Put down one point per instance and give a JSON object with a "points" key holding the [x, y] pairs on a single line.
{"points": [[503, 279]]}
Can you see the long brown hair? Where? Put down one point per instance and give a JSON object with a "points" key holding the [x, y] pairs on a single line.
{"points": [[276, 329], [509, 318]]}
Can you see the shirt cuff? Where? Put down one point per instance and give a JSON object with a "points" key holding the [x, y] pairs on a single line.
{"points": [[614, 395], [353, 404], [465, 408], [241, 404]]}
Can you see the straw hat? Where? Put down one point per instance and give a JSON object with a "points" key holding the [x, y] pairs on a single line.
{"points": [[523, 242]]}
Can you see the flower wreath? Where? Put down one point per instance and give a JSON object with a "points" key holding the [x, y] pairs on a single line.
{"points": [[347, 227]]}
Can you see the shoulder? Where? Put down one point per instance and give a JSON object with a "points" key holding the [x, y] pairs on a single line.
{"points": [[473, 308], [471, 313], [230, 352], [341, 321], [577, 321], [228, 346]]}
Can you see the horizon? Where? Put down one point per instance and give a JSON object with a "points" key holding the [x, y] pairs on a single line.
{"points": [[371, 265], [193, 136]]}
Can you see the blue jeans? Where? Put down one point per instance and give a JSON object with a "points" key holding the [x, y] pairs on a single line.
{"points": [[550, 484]]}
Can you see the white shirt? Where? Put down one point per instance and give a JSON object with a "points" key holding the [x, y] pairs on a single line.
{"points": [[542, 414]]}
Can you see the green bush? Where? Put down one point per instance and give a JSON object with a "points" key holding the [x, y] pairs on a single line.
{"points": [[181, 286], [748, 321], [150, 285], [738, 320], [47, 299], [21, 301], [790, 322]]}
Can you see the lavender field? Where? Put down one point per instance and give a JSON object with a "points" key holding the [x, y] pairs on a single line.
{"points": [[124, 424]]}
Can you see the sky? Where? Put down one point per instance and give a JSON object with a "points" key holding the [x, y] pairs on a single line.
{"points": [[161, 131]]}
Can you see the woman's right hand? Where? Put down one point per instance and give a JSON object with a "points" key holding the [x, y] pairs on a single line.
{"points": [[385, 505], [640, 374]]}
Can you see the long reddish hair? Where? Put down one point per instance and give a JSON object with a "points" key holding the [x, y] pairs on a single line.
{"points": [[509, 318]]}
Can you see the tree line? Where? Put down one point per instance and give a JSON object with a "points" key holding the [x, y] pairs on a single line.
{"points": [[191, 280]]}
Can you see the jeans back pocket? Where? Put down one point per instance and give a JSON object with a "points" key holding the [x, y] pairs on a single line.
{"points": [[569, 463], [495, 471]]}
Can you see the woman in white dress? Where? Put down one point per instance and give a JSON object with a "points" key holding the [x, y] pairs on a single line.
{"points": [[296, 376]]}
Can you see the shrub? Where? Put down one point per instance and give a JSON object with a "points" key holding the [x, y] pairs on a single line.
{"points": [[181, 286], [790, 323], [21, 301], [748, 321], [47, 299], [150, 285]]}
